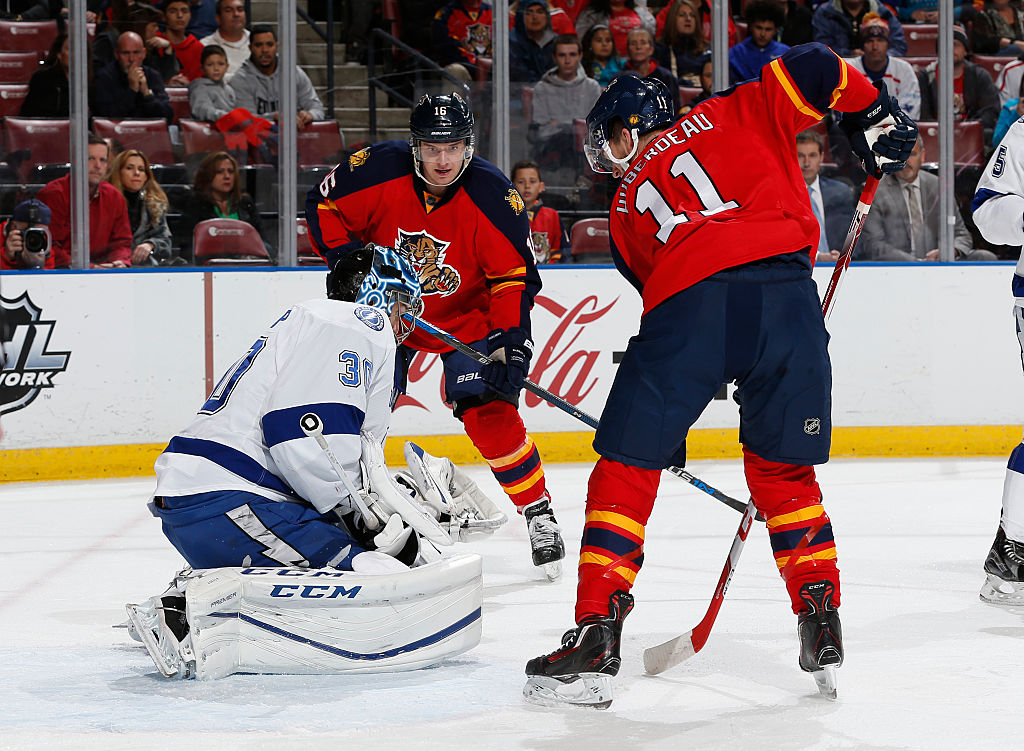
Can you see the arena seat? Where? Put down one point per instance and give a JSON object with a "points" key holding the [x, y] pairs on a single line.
{"points": [[17, 67], [968, 142], [527, 95], [228, 242], [304, 247], [319, 143], [921, 38], [992, 63], [590, 241], [150, 136], [920, 62], [33, 36], [179, 102], [688, 93], [46, 140], [198, 137], [11, 97]]}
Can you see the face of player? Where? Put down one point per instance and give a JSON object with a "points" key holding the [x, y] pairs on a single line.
{"points": [[686, 21], [215, 67], [130, 52], [809, 155], [535, 19], [263, 48], [224, 178], [876, 50], [602, 44], [231, 18], [177, 15], [133, 174], [621, 146], [762, 32], [567, 58], [640, 49], [99, 154], [528, 184], [442, 162], [909, 173]]}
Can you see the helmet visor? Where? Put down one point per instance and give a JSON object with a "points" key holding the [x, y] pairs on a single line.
{"points": [[405, 309], [598, 151]]}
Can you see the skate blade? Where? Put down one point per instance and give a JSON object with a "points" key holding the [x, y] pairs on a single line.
{"points": [[826, 680], [996, 591], [169, 667], [553, 570], [593, 690]]}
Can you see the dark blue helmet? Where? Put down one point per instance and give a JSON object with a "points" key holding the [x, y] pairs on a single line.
{"points": [[642, 104], [445, 118]]}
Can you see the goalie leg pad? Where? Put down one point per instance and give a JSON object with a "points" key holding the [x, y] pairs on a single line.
{"points": [[295, 621]]}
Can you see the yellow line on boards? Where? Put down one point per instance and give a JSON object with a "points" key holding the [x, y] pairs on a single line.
{"points": [[136, 460]]}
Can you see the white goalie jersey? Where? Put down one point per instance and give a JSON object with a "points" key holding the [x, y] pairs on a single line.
{"points": [[333, 359], [998, 205]]}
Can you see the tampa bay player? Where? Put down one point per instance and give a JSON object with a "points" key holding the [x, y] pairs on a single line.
{"points": [[464, 228], [720, 247], [998, 209]]}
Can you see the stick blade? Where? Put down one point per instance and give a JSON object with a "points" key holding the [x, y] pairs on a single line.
{"points": [[660, 658]]}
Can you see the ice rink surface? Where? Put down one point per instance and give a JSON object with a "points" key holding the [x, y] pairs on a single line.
{"points": [[928, 665]]}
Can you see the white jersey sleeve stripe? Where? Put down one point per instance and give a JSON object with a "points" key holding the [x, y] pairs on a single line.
{"points": [[233, 460], [283, 425]]}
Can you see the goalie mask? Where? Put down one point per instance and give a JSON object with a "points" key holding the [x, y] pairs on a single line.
{"points": [[443, 119], [390, 283], [638, 104]]}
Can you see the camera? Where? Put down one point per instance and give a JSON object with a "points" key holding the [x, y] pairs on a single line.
{"points": [[35, 239]]}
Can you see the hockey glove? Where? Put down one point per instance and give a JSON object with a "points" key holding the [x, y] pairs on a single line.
{"points": [[511, 351], [882, 135]]}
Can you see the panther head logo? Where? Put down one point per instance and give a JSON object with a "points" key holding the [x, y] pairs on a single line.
{"points": [[426, 253]]}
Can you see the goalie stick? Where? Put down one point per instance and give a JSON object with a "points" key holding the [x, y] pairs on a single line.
{"points": [[867, 196], [562, 404]]}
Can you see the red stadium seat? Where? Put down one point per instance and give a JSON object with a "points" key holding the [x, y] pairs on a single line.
{"points": [[968, 142], [198, 137], [17, 67], [527, 104], [992, 63], [304, 247], [741, 31], [151, 137], [921, 38], [48, 141], [590, 241], [221, 242], [920, 62], [483, 68], [35, 36], [179, 102], [688, 93], [11, 97], [319, 143]]}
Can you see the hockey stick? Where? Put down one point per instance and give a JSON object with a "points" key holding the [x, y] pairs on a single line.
{"points": [[867, 196], [562, 404]]}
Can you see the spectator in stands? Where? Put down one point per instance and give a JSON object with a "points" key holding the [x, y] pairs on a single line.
{"points": [[257, 85], [113, 22], [621, 16], [927, 11], [210, 97], [1012, 111], [131, 174], [764, 17], [550, 242], [110, 235], [796, 23], [904, 221], [564, 94], [837, 23], [203, 20], [33, 10], [31, 213], [187, 47], [48, 92], [600, 59], [231, 34], [531, 42], [145, 21], [999, 28], [705, 86], [217, 192], [126, 88], [559, 19], [899, 76], [831, 200], [462, 33], [682, 44], [705, 22], [974, 95], [641, 62]]}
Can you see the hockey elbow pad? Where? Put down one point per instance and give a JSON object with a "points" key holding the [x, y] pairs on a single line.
{"points": [[882, 136]]}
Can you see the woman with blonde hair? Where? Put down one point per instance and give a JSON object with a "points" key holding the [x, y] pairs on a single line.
{"points": [[131, 174], [682, 46]]}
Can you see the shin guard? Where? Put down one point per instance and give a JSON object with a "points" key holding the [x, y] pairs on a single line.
{"points": [[497, 431]]}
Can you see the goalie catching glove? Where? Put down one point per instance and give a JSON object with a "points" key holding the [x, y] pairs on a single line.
{"points": [[882, 135]]}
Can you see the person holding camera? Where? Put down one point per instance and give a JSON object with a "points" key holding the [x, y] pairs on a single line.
{"points": [[26, 237]]}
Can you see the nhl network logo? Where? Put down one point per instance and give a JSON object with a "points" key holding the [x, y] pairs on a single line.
{"points": [[27, 367]]}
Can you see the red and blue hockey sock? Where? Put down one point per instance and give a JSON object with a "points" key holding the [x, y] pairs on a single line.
{"points": [[497, 431], [619, 502], [800, 532]]}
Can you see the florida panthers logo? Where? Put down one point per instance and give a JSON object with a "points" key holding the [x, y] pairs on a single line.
{"points": [[358, 159], [426, 253], [541, 246], [478, 38], [515, 201]]}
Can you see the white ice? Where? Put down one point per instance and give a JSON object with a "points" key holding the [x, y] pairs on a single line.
{"points": [[928, 665]]}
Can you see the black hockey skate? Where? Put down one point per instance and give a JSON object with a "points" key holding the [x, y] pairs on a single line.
{"points": [[821, 636], [545, 537], [1004, 568], [580, 671]]}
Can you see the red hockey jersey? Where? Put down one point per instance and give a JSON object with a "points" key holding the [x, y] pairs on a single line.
{"points": [[471, 248], [546, 232], [722, 186]]}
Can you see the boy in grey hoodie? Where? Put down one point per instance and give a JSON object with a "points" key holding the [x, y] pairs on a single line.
{"points": [[210, 96], [564, 94]]}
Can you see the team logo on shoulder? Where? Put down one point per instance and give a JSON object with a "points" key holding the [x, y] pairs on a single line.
{"points": [[372, 317], [358, 159], [426, 253], [541, 246], [634, 119], [515, 201]]}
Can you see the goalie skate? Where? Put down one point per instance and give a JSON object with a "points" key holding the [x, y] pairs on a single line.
{"points": [[1004, 567], [160, 625], [821, 636], [545, 537]]}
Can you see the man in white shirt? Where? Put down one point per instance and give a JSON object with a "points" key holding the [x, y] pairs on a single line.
{"points": [[898, 75], [231, 34]]}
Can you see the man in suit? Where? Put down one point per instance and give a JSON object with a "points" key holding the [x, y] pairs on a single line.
{"points": [[831, 200], [904, 221]]}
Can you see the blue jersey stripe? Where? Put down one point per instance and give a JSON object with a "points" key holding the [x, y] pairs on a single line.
{"points": [[233, 460], [338, 419], [983, 195], [368, 656], [1018, 285]]}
